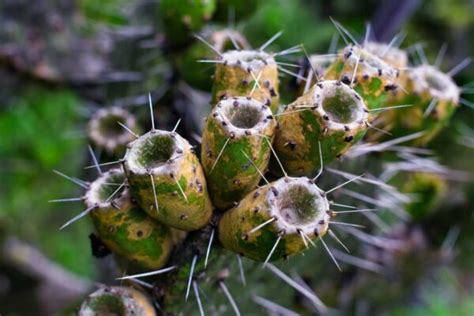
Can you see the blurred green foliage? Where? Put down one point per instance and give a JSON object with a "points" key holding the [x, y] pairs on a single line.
{"points": [[35, 127]]}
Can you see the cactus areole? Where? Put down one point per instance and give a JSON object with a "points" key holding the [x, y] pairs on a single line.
{"points": [[295, 210], [167, 180]]}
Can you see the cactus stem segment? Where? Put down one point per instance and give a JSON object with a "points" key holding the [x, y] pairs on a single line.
{"points": [[167, 180], [268, 223], [105, 132], [146, 274]]}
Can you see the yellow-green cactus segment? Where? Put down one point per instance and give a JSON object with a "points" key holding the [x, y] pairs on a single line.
{"points": [[427, 189], [371, 77], [182, 18], [104, 131], [393, 56], [294, 209], [123, 227], [330, 114], [198, 74], [247, 73], [117, 300], [434, 96], [167, 180], [236, 141]]}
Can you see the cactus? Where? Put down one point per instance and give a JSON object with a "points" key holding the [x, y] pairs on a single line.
{"points": [[117, 300], [105, 133], [198, 75], [167, 180], [372, 77], [433, 96], [123, 227], [237, 130], [393, 56], [162, 215], [324, 122], [247, 73], [182, 18], [428, 189], [276, 220]]}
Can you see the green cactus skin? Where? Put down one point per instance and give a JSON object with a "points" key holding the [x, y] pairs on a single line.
{"points": [[105, 133], [198, 74], [331, 114], [239, 9], [123, 227], [117, 300], [178, 180], [428, 190], [236, 75], [374, 79], [393, 56], [182, 18], [241, 125], [423, 84], [298, 207]]}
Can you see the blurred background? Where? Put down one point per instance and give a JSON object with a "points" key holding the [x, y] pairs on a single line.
{"points": [[61, 60]]}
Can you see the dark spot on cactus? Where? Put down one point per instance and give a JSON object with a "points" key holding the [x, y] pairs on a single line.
{"points": [[349, 138], [291, 144], [214, 114], [248, 133], [379, 71], [325, 117], [139, 234], [346, 80], [256, 194], [256, 209], [99, 249], [320, 85], [235, 103], [244, 82], [338, 83], [209, 154], [245, 237], [249, 70], [346, 128], [272, 92], [321, 222], [325, 130], [390, 87], [338, 156], [183, 217], [239, 62], [237, 182], [268, 102], [274, 191], [365, 77], [266, 84]]}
